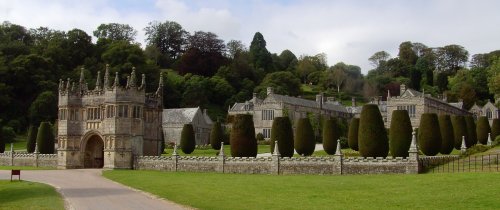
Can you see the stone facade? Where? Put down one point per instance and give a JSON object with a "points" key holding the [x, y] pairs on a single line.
{"points": [[109, 125], [275, 105], [489, 110], [174, 120]]}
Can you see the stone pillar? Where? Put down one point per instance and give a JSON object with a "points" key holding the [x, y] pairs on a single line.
{"points": [[489, 140], [222, 157], [12, 154], [175, 157], [36, 155], [275, 160], [413, 162], [339, 158], [463, 148]]}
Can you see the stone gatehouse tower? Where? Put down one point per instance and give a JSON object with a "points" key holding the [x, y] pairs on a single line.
{"points": [[109, 125]]}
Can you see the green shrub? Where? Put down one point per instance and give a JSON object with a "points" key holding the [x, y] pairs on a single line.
{"points": [[352, 138], [459, 130], [331, 133], [242, 137], [495, 129], [400, 133], [471, 138], [482, 130], [31, 141], [259, 137], [283, 133], [2, 142], [304, 137], [188, 141], [372, 136], [429, 138], [45, 138], [475, 149], [216, 136], [8, 134], [447, 137]]}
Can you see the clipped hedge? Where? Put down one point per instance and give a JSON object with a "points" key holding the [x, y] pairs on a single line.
{"points": [[352, 137], [429, 136], [331, 133], [283, 133], [372, 136], [304, 142], [495, 129], [482, 129], [459, 130], [471, 138], [242, 136], [447, 136], [400, 133], [188, 141], [31, 140], [216, 136], [45, 138]]}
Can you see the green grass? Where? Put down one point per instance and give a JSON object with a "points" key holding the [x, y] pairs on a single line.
{"points": [[28, 195], [244, 191], [25, 168], [211, 152]]}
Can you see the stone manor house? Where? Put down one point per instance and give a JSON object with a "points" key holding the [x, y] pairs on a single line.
{"points": [[174, 120], [489, 110], [109, 125]]}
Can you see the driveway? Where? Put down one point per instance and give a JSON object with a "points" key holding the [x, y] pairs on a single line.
{"points": [[87, 189]]}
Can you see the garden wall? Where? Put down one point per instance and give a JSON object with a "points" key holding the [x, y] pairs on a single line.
{"points": [[28, 159]]}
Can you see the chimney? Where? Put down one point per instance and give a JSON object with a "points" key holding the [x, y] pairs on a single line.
{"points": [[402, 89], [353, 102], [319, 99], [270, 90], [254, 96], [379, 99]]}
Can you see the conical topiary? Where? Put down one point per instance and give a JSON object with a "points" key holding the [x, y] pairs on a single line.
{"points": [[459, 130], [352, 139], [304, 137], [242, 136], [31, 140], [283, 133], [331, 133], [495, 129], [471, 138], [429, 135], [45, 138], [372, 136], [447, 136], [188, 141], [216, 136], [482, 130], [400, 133]]}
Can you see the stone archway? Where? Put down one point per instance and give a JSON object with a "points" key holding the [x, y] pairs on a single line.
{"points": [[94, 152]]}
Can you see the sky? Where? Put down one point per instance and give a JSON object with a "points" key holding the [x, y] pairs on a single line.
{"points": [[346, 31]]}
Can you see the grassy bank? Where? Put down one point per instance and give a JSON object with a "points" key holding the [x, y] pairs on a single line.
{"points": [[243, 191], [28, 195]]}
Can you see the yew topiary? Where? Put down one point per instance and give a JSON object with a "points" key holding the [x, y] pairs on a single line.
{"points": [[471, 138], [216, 135], [331, 133], [429, 136], [372, 136], [352, 139], [31, 142], [459, 130], [482, 130], [447, 136], [242, 136], [45, 138], [495, 129], [304, 137], [188, 141], [400, 133], [283, 133]]}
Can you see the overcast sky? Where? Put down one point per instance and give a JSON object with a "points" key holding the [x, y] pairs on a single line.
{"points": [[347, 31]]}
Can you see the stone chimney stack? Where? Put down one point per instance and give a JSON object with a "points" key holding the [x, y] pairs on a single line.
{"points": [[270, 90], [319, 99], [353, 101], [402, 89]]}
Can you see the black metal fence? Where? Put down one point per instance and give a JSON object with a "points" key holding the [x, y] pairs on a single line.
{"points": [[455, 164]]}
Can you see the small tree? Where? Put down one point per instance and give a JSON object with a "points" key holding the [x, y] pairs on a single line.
{"points": [[352, 139], [242, 136], [482, 129], [447, 136], [283, 133], [188, 141], [45, 138], [471, 138], [429, 136], [372, 136], [459, 130], [304, 137], [495, 129], [331, 134], [31, 143], [400, 133], [216, 135]]}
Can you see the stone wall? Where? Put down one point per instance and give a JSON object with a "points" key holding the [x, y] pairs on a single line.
{"points": [[28, 159]]}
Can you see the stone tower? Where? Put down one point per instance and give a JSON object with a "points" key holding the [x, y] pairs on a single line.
{"points": [[109, 125]]}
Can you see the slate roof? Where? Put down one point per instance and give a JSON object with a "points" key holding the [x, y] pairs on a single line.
{"points": [[179, 116], [411, 92], [307, 103]]}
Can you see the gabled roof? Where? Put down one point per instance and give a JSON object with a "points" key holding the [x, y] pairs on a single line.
{"points": [[459, 105], [179, 116], [305, 102], [411, 93]]}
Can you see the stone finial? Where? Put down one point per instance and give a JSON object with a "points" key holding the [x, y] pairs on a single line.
{"points": [[61, 85], [82, 76], [98, 81], [132, 82], [276, 149], [68, 84], [73, 86], [175, 150], [36, 147], [489, 143], [11, 147], [463, 148], [159, 91], [128, 82], [143, 82], [117, 83], [413, 145], [388, 94], [106, 78], [339, 148], [221, 151]]}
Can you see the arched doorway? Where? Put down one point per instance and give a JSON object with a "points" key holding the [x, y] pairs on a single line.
{"points": [[94, 153]]}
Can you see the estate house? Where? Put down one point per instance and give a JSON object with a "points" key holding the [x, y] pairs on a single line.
{"points": [[109, 125], [275, 105], [489, 110], [174, 120]]}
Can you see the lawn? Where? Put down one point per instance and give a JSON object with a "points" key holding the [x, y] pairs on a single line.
{"points": [[244, 191], [211, 152], [28, 195]]}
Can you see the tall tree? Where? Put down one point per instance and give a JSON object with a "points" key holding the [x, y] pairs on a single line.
{"points": [[169, 37], [261, 58], [204, 56], [235, 48], [288, 61], [451, 58], [115, 32], [379, 58], [406, 53]]}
